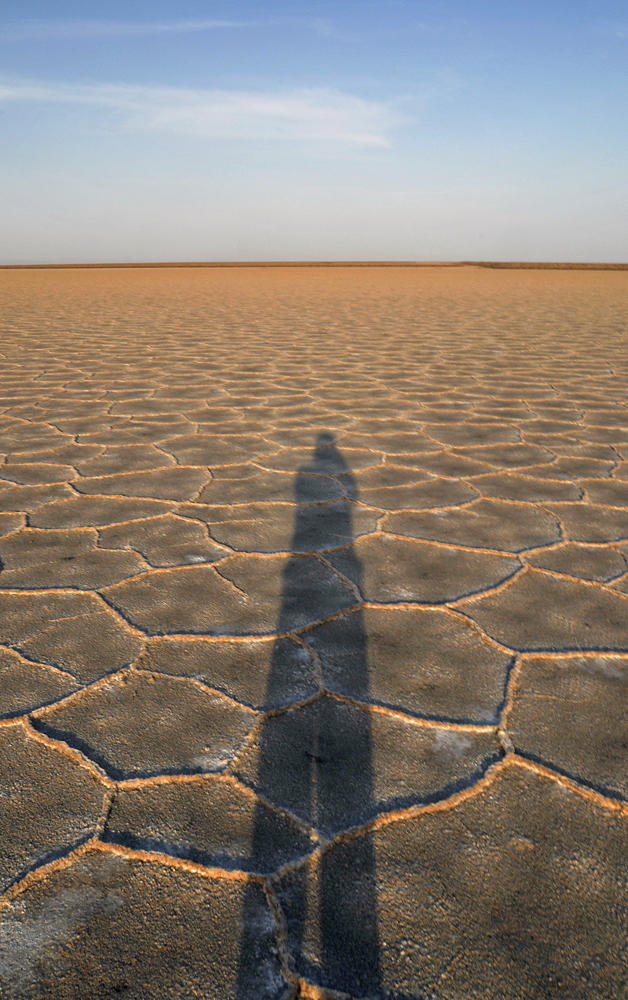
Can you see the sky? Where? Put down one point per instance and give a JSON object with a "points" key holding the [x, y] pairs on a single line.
{"points": [[153, 130]]}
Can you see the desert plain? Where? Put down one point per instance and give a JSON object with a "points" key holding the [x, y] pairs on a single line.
{"points": [[314, 633]]}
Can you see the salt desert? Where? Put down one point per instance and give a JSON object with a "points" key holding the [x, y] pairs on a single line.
{"points": [[314, 633]]}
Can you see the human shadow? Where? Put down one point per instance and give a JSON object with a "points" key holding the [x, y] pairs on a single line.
{"points": [[316, 761]]}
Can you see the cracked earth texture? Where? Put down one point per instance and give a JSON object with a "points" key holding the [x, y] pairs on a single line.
{"points": [[314, 634]]}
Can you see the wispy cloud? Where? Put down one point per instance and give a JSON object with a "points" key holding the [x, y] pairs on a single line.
{"points": [[615, 30], [326, 28], [294, 114], [86, 29]]}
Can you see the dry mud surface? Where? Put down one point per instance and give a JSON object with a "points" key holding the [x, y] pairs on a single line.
{"points": [[314, 634]]}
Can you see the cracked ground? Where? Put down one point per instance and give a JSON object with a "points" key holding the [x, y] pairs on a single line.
{"points": [[313, 633]]}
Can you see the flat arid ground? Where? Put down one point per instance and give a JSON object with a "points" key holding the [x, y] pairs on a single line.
{"points": [[314, 633]]}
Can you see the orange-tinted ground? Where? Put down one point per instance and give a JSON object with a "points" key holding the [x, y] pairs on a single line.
{"points": [[314, 633]]}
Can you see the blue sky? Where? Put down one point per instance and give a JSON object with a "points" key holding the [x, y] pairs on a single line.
{"points": [[344, 130]]}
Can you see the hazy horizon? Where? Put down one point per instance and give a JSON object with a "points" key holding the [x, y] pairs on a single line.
{"points": [[381, 130]]}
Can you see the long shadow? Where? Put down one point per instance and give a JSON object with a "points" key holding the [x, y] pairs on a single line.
{"points": [[318, 763]]}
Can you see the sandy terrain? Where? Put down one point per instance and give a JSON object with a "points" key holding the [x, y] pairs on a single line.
{"points": [[313, 633]]}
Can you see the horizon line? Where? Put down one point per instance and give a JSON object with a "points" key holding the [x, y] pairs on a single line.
{"points": [[538, 265]]}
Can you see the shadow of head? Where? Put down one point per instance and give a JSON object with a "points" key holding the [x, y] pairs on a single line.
{"points": [[325, 439], [326, 458]]}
